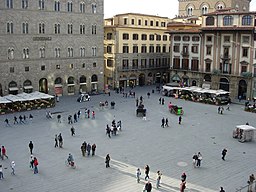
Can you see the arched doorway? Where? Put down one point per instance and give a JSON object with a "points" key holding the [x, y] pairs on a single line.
{"points": [[164, 78], [185, 80], [141, 79], [82, 82], [132, 80], [43, 85], [194, 83], [224, 84], [58, 89], [158, 78], [207, 78], [1, 90], [150, 78], [13, 88], [27, 86], [242, 88], [71, 85], [94, 83]]}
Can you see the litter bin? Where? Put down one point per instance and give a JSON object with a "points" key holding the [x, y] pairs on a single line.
{"points": [[179, 111]]}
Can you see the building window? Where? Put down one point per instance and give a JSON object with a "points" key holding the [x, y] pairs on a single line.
{"points": [[247, 20], [125, 36], [143, 63], [83, 65], [245, 51], [151, 37], [11, 69], [125, 21], [164, 48], [109, 63], [139, 22], [42, 52], [165, 38], [94, 29], [158, 37], [26, 68], [41, 28], [186, 38], [209, 38], [204, 9], [194, 64], [109, 36], [226, 39], [135, 49], [25, 28], [41, 4], [157, 23], [228, 20], [194, 49], [57, 28], [56, 6], [94, 8], [57, 66], [146, 22], [71, 66], [245, 39], [43, 68], [163, 24], [243, 69], [82, 7], [176, 48], [94, 51], [9, 27], [195, 38], [82, 29], [24, 4], [143, 37], [190, 11], [135, 63], [10, 53], [158, 48], [151, 49], [135, 36], [82, 52], [125, 64], [177, 38], [57, 52], [125, 49], [151, 23], [70, 52], [208, 50], [133, 22], [94, 64], [70, 6], [151, 63], [207, 67], [70, 29], [109, 49], [143, 49], [9, 4], [209, 21], [219, 6], [25, 53]]}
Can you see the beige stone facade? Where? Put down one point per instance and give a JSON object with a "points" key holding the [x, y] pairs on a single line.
{"points": [[200, 7], [226, 53], [54, 47], [136, 50]]}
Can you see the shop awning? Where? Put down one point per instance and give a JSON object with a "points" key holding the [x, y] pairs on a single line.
{"points": [[28, 87], [57, 85], [13, 88]]}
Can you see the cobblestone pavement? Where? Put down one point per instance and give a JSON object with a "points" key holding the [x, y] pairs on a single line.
{"points": [[140, 142]]}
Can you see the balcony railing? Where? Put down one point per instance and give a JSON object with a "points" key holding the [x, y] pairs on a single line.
{"points": [[225, 57], [142, 68]]}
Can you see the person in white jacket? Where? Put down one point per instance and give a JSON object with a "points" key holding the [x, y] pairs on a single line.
{"points": [[13, 167]]}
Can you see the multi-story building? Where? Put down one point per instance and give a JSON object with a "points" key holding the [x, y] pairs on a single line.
{"points": [[200, 7], [53, 46], [226, 53], [136, 50]]}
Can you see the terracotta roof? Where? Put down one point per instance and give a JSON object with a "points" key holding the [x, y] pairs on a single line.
{"points": [[231, 13], [227, 28], [193, 30]]}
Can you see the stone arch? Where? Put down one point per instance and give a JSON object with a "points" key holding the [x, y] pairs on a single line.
{"points": [[58, 81], [242, 88], [43, 85], [224, 84], [141, 79], [94, 78]]}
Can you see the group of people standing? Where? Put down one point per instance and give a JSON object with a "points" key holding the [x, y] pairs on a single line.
{"points": [[87, 147]]}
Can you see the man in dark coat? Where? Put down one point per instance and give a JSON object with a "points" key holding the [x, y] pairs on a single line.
{"points": [[148, 187], [31, 146]]}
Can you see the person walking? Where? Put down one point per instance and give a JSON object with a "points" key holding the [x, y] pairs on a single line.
{"points": [[163, 121], [148, 94], [108, 131], [13, 168], [147, 172], [35, 165], [148, 187], [7, 122], [158, 179], [4, 153], [93, 114], [250, 182], [31, 146], [166, 122], [107, 160], [199, 159], [56, 141], [224, 152], [183, 177], [15, 120], [138, 174], [72, 131], [60, 140], [180, 118], [75, 118], [182, 186], [137, 102], [1, 172], [88, 148], [221, 189], [83, 149], [195, 158], [160, 99], [31, 162], [93, 149]]}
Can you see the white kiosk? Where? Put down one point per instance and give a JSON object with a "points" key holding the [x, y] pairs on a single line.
{"points": [[244, 133]]}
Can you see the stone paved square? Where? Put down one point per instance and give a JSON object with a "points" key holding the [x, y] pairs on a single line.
{"points": [[140, 142]]}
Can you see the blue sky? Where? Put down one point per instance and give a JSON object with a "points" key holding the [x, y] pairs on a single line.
{"points": [[164, 8]]}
